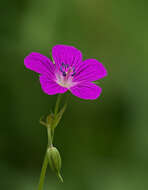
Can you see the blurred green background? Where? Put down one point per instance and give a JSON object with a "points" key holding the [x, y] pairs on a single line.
{"points": [[103, 143]]}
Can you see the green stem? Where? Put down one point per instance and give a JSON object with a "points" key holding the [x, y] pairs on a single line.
{"points": [[49, 136], [50, 133], [57, 104], [60, 177], [43, 172], [55, 112]]}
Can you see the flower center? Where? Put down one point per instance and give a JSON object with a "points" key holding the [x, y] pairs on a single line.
{"points": [[65, 75], [67, 71]]}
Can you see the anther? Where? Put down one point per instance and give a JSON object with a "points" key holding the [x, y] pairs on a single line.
{"points": [[61, 69], [73, 74], [64, 73], [63, 64], [67, 66], [73, 68]]}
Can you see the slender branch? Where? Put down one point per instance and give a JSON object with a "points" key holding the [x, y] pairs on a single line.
{"points": [[57, 104], [56, 112], [50, 132], [43, 172]]}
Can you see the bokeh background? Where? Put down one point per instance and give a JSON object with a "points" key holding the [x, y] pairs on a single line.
{"points": [[103, 143]]}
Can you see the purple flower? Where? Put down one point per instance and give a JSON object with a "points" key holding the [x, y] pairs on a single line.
{"points": [[67, 72]]}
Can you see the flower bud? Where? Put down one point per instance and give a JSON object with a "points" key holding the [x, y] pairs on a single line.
{"points": [[54, 159]]}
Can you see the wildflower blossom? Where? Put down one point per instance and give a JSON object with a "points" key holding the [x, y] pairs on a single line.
{"points": [[67, 72]]}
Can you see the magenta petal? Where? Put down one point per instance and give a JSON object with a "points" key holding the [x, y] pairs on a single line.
{"points": [[50, 87], [86, 90], [39, 63], [90, 70], [67, 55]]}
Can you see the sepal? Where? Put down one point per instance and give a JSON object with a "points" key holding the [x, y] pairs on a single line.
{"points": [[59, 116]]}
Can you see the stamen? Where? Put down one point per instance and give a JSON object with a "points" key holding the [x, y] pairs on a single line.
{"points": [[63, 64], [67, 66], [61, 69], [73, 74], [67, 70], [73, 68], [64, 73]]}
